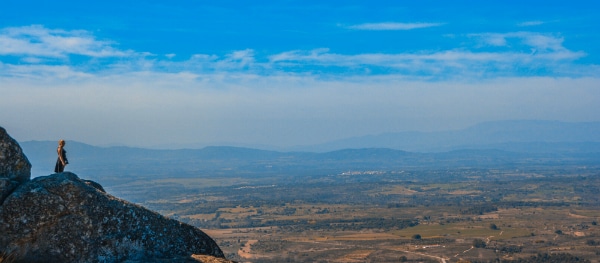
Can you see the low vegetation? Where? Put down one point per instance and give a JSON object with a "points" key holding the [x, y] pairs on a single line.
{"points": [[457, 215]]}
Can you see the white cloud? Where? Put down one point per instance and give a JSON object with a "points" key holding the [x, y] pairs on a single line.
{"points": [[238, 59], [542, 41], [392, 26], [495, 39], [531, 23], [38, 41], [526, 50], [468, 62]]}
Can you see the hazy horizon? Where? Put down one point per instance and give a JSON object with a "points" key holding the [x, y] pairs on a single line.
{"points": [[480, 136], [284, 74]]}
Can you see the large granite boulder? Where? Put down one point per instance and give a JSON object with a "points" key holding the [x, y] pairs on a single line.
{"points": [[15, 169], [62, 218]]}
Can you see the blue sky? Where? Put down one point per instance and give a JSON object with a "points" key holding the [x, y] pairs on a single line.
{"points": [[285, 73]]}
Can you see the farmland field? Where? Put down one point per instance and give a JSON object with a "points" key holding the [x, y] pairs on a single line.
{"points": [[473, 215]]}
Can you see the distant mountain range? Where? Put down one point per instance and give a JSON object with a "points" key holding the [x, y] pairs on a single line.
{"points": [[520, 136], [496, 144]]}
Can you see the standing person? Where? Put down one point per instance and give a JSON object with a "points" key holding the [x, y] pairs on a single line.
{"points": [[62, 161]]}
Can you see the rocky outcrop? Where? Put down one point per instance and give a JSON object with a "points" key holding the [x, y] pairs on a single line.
{"points": [[15, 169], [62, 218]]}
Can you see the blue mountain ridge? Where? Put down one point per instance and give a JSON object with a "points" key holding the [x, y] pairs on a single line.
{"points": [[507, 144], [521, 136]]}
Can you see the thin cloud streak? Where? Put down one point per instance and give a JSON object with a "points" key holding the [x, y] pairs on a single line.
{"points": [[540, 41], [392, 26], [326, 58], [493, 63], [531, 23]]}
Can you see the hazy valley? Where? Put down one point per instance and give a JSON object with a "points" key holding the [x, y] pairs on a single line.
{"points": [[506, 199]]}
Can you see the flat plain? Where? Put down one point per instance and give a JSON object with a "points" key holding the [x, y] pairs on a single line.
{"points": [[364, 205], [439, 215]]}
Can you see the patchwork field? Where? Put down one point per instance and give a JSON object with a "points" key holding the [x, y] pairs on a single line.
{"points": [[389, 216]]}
